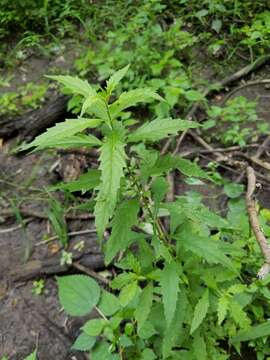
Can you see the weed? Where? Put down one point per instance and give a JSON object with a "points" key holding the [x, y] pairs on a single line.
{"points": [[180, 292], [38, 287]]}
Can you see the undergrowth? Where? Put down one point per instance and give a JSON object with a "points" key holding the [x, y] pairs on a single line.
{"points": [[185, 284]]}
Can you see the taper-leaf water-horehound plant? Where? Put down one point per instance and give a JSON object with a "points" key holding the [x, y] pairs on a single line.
{"points": [[183, 288]]}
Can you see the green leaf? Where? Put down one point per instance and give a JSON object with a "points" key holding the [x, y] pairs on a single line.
{"points": [[122, 279], [252, 333], [125, 217], [101, 351], [75, 141], [147, 330], [206, 248], [61, 131], [148, 354], [112, 163], [233, 190], [84, 342], [128, 293], [97, 106], [199, 347], [85, 182], [169, 282], [76, 85], [160, 128], [32, 356], [94, 327], [238, 314], [223, 304], [109, 303], [189, 168], [115, 79], [144, 306], [132, 98], [78, 294], [200, 311]]}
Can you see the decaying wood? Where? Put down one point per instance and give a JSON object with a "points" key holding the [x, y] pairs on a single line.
{"points": [[255, 224], [36, 121], [51, 266]]}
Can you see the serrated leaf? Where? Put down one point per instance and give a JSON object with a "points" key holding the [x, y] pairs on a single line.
{"points": [[189, 168], [206, 248], [147, 330], [144, 306], [169, 282], [160, 128], [199, 347], [61, 131], [75, 141], [78, 294], [97, 106], [73, 83], [125, 217], [132, 98], [115, 79], [84, 342], [128, 293], [200, 311], [252, 333], [223, 304], [85, 182], [94, 327], [32, 356], [109, 303], [122, 279], [112, 163], [238, 314]]}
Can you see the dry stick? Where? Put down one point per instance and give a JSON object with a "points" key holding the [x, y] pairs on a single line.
{"points": [[72, 233], [221, 150], [255, 224], [90, 272], [36, 214], [228, 80], [243, 86]]}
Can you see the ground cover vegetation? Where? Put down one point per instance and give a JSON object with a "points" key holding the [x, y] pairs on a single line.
{"points": [[181, 277]]}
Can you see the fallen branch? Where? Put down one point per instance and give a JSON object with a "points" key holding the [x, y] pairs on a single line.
{"points": [[255, 224], [219, 85]]}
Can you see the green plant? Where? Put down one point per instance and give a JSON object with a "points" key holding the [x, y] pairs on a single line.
{"points": [[236, 122], [38, 287], [182, 291]]}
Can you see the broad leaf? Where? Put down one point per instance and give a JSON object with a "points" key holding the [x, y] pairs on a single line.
{"points": [[169, 282], [125, 217], [84, 342], [200, 311], [76, 85], [61, 131], [78, 294], [160, 128], [199, 347], [131, 98], [144, 306], [252, 333], [94, 327], [238, 314], [109, 303], [148, 354], [128, 293], [85, 182], [112, 163], [115, 79]]}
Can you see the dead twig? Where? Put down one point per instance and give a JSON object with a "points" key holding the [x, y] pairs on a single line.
{"points": [[72, 233], [219, 85], [255, 224], [243, 86], [43, 216], [90, 272]]}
